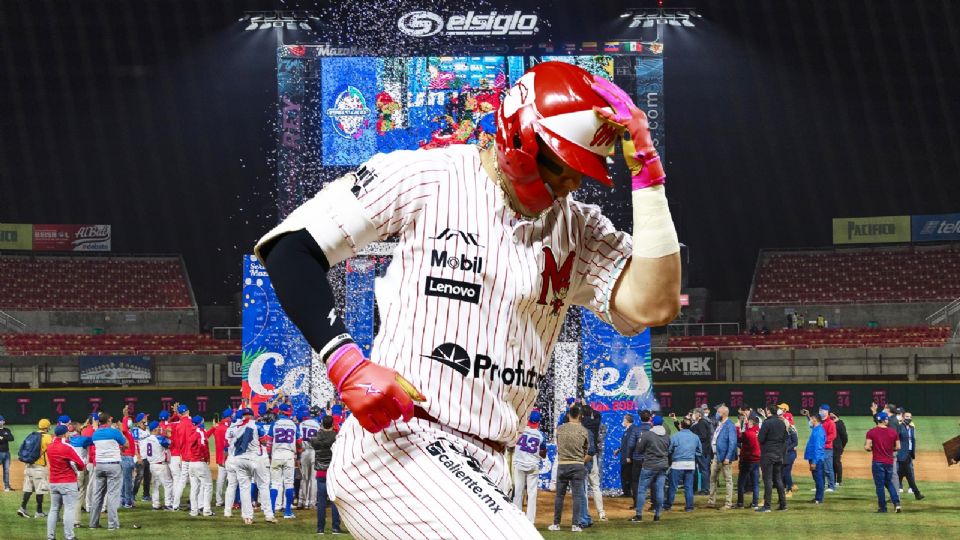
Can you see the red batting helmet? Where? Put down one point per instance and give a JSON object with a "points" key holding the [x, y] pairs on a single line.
{"points": [[553, 101]]}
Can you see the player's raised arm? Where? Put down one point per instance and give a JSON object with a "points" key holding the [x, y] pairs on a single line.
{"points": [[647, 292]]}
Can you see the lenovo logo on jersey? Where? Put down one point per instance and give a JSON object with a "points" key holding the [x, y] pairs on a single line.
{"points": [[440, 258], [427, 23], [454, 290], [483, 367], [471, 239]]}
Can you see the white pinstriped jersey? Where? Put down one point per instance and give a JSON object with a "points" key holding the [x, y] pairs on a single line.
{"points": [[474, 298]]}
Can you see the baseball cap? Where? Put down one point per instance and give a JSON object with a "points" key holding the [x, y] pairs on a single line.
{"points": [[164, 415], [60, 430], [784, 406], [64, 419], [43, 424], [182, 409], [570, 400], [2, 419], [658, 420], [882, 415], [336, 410], [227, 412], [535, 417], [262, 409], [247, 412], [824, 407], [153, 425], [285, 409], [197, 420], [139, 418]]}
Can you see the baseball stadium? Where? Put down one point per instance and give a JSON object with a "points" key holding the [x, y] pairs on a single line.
{"points": [[371, 269]]}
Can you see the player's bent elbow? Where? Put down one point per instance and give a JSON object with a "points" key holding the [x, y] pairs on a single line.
{"points": [[653, 314]]}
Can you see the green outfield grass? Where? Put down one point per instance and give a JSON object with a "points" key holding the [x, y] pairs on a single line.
{"points": [[848, 513]]}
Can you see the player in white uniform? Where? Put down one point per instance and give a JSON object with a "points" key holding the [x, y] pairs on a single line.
{"points": [[286, 438], [247, 453], [230, 496], [491, 254], [308, 487], [154, 451], [530, 450]]}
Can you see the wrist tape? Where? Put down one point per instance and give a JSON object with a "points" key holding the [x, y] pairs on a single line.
{"points": [[654, 234]]}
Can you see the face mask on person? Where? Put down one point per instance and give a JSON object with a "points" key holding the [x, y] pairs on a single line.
{"points": [[779, 412], [907, 421], [718, 417], [823, 415]]}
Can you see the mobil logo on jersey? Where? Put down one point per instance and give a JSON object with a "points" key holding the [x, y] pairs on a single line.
{"points": [[440, 259], [482, 366]]}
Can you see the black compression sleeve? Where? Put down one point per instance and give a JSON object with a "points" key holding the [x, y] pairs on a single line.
{"points": [[298, 270]]}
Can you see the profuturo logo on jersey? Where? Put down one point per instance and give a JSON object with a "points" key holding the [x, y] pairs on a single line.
{"points": [[482, 366], [426, 23], [463, 262]]}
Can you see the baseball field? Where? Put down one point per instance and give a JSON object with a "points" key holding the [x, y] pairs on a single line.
{"points": [[847, 513]]}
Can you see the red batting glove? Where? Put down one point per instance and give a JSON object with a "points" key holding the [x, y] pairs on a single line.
{"points": [[638, 151], [377, 395]]}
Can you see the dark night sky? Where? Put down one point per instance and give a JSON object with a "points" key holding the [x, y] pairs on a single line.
{"points": [[156, 117]]}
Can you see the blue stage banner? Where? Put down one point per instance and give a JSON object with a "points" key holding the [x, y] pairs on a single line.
{"points": [[109, 370], [935, 228], [275, 354], [617, 378]]}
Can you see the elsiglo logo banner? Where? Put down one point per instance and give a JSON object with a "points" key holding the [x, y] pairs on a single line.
{"points": [[427, 23]]}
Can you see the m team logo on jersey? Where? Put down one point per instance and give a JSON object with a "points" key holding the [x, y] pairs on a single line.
{"points": [[452, 289], [555, 279], [482, 366], [467, 264]]}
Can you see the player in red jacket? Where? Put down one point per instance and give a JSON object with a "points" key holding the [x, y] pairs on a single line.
{"points": [[196, 454], [830, 428], [219, 435], [749, 462], [64, 462]]}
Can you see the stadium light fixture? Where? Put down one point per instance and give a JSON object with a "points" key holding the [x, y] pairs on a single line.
{"points": [[265, 20], [648, 17], [305, 26]]}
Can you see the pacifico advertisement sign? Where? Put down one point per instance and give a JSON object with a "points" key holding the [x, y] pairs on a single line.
{"points": [[871, 230]]}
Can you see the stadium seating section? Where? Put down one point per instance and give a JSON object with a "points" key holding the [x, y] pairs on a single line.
{"points": [[117, 344], [815, 338], [874, 275], [92, 283]]}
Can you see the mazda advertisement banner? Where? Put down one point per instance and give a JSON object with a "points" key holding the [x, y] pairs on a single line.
{"points": [[685, 366]]}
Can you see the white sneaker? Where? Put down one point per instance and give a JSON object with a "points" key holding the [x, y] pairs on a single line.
{"points": [[909, 490], [830, 490], [575, 529], [901, 490], [553, 527], [603, 516]]}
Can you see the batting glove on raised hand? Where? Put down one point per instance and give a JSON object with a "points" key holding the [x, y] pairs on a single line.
{"points": [[638, 151], [377, 395]]}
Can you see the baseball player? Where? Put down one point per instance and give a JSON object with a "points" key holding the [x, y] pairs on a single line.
{"points": [[218, 433], [229, 466], [492, 252], [180, 428], [154, 451], [286, 439], [309, 428], [141, 473], [196, 454], [530, 449], [247, 453]]}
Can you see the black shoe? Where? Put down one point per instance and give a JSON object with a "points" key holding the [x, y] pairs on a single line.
{"points": [[881, 510], [656, 517], [636, 519], [738, 506], [761, 509], [898, 510], [22, 513], [920, 497], [782, 509], [814, 501]]}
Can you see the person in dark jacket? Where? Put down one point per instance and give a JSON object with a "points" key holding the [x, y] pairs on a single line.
{"points": [[322, 444], [907, 453], [773, 440], [838, 446], [636, 456], [626, 467], [749, 462], [654, 445], [703, 429], [790, 454]]}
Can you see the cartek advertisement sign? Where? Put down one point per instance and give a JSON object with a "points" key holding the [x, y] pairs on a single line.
{"points": [[871, 230], [936, 228], [684, 366], [71, 237]]}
